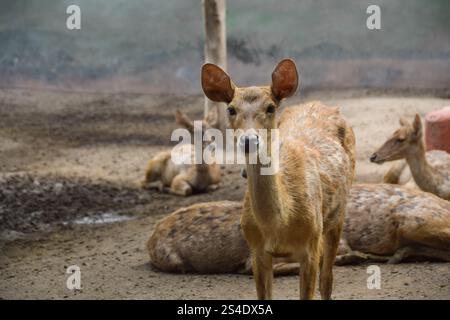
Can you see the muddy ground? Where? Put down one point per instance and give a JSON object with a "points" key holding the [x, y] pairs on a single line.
{"points": [[70, 161]]}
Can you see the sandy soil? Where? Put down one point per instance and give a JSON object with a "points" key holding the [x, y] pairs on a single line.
{"points": [[66, 157]]}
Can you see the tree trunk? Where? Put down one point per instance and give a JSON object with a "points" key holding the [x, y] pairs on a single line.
{"points": [[215, 52]]}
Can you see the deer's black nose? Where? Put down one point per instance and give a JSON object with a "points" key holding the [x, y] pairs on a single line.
{"points": [[250, 142], [373, 157]]}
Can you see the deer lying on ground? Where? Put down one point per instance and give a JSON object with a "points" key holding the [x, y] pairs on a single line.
{"points": [[296, 213], [182, 179], [430, 170], [383, 223]]}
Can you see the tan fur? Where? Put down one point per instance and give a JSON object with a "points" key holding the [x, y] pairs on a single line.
{"points": [[395, 172], [430, 170], [298, 212], [180, 179], [399, 172], [382, 223], [388, 220], [204, 237]]}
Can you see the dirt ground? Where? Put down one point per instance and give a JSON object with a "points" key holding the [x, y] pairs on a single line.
{"points": [[70, 161]]}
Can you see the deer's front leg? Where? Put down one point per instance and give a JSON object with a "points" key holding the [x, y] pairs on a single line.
{"points": [[263, 274]]}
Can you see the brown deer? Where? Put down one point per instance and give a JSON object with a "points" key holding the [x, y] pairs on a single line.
{"points": [[383, 223], [296, 213], [182, 179], [430, 170]]}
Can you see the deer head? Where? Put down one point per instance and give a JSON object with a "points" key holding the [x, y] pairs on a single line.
{"points": [[183, 120], [250, 108], [404, 139]]}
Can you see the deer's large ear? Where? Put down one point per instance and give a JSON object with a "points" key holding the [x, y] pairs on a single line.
{"points": [[284, 79], [417, 126], [216, 83], [183, 120]]}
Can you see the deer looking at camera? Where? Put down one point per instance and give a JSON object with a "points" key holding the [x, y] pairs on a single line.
{"points": [[430, 170], [182, 179], [296, 213]]}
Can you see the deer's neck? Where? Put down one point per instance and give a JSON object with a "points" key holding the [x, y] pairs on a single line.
{"points": [[424, 175], [202, 167], [264, 194], [264, 186]]}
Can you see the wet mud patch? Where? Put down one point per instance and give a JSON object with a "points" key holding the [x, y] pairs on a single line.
{"points": [[31, 203]]}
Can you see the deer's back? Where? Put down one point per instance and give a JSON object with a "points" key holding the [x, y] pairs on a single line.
{"points": [[379, 216], [204, 237], [317, 148], [318, 128]]}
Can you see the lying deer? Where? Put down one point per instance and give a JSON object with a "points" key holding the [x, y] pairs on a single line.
{"points": [[182, 179], [296, 213], [383, 223], [430, 170]]}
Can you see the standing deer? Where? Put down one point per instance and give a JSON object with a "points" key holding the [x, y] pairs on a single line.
{"points": [[383, 223], [296, 213], [182, 179], [430, 170]]}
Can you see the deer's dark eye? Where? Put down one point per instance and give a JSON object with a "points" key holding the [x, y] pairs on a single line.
{"points": [[270, 109], [231, 111], [398, 141]]}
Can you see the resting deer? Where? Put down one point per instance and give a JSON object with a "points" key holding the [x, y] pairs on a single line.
{"points": [[383, 223], [296, 213], [430, 170], [182, 179]]}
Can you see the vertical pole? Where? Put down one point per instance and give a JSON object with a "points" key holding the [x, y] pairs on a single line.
{"points": [[214, 13]]}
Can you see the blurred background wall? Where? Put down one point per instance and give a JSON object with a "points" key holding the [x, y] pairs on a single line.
{"points": [[157, 46]]}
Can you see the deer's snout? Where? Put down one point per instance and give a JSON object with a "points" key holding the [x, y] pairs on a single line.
{"points": [[249, 142], [375, 158]]}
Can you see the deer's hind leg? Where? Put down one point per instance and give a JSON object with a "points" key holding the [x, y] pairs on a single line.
{"points": [[330, 248], [419, 252], [180, 186], [347, 256], [357, 257], [309, 267], [331, 242]]}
